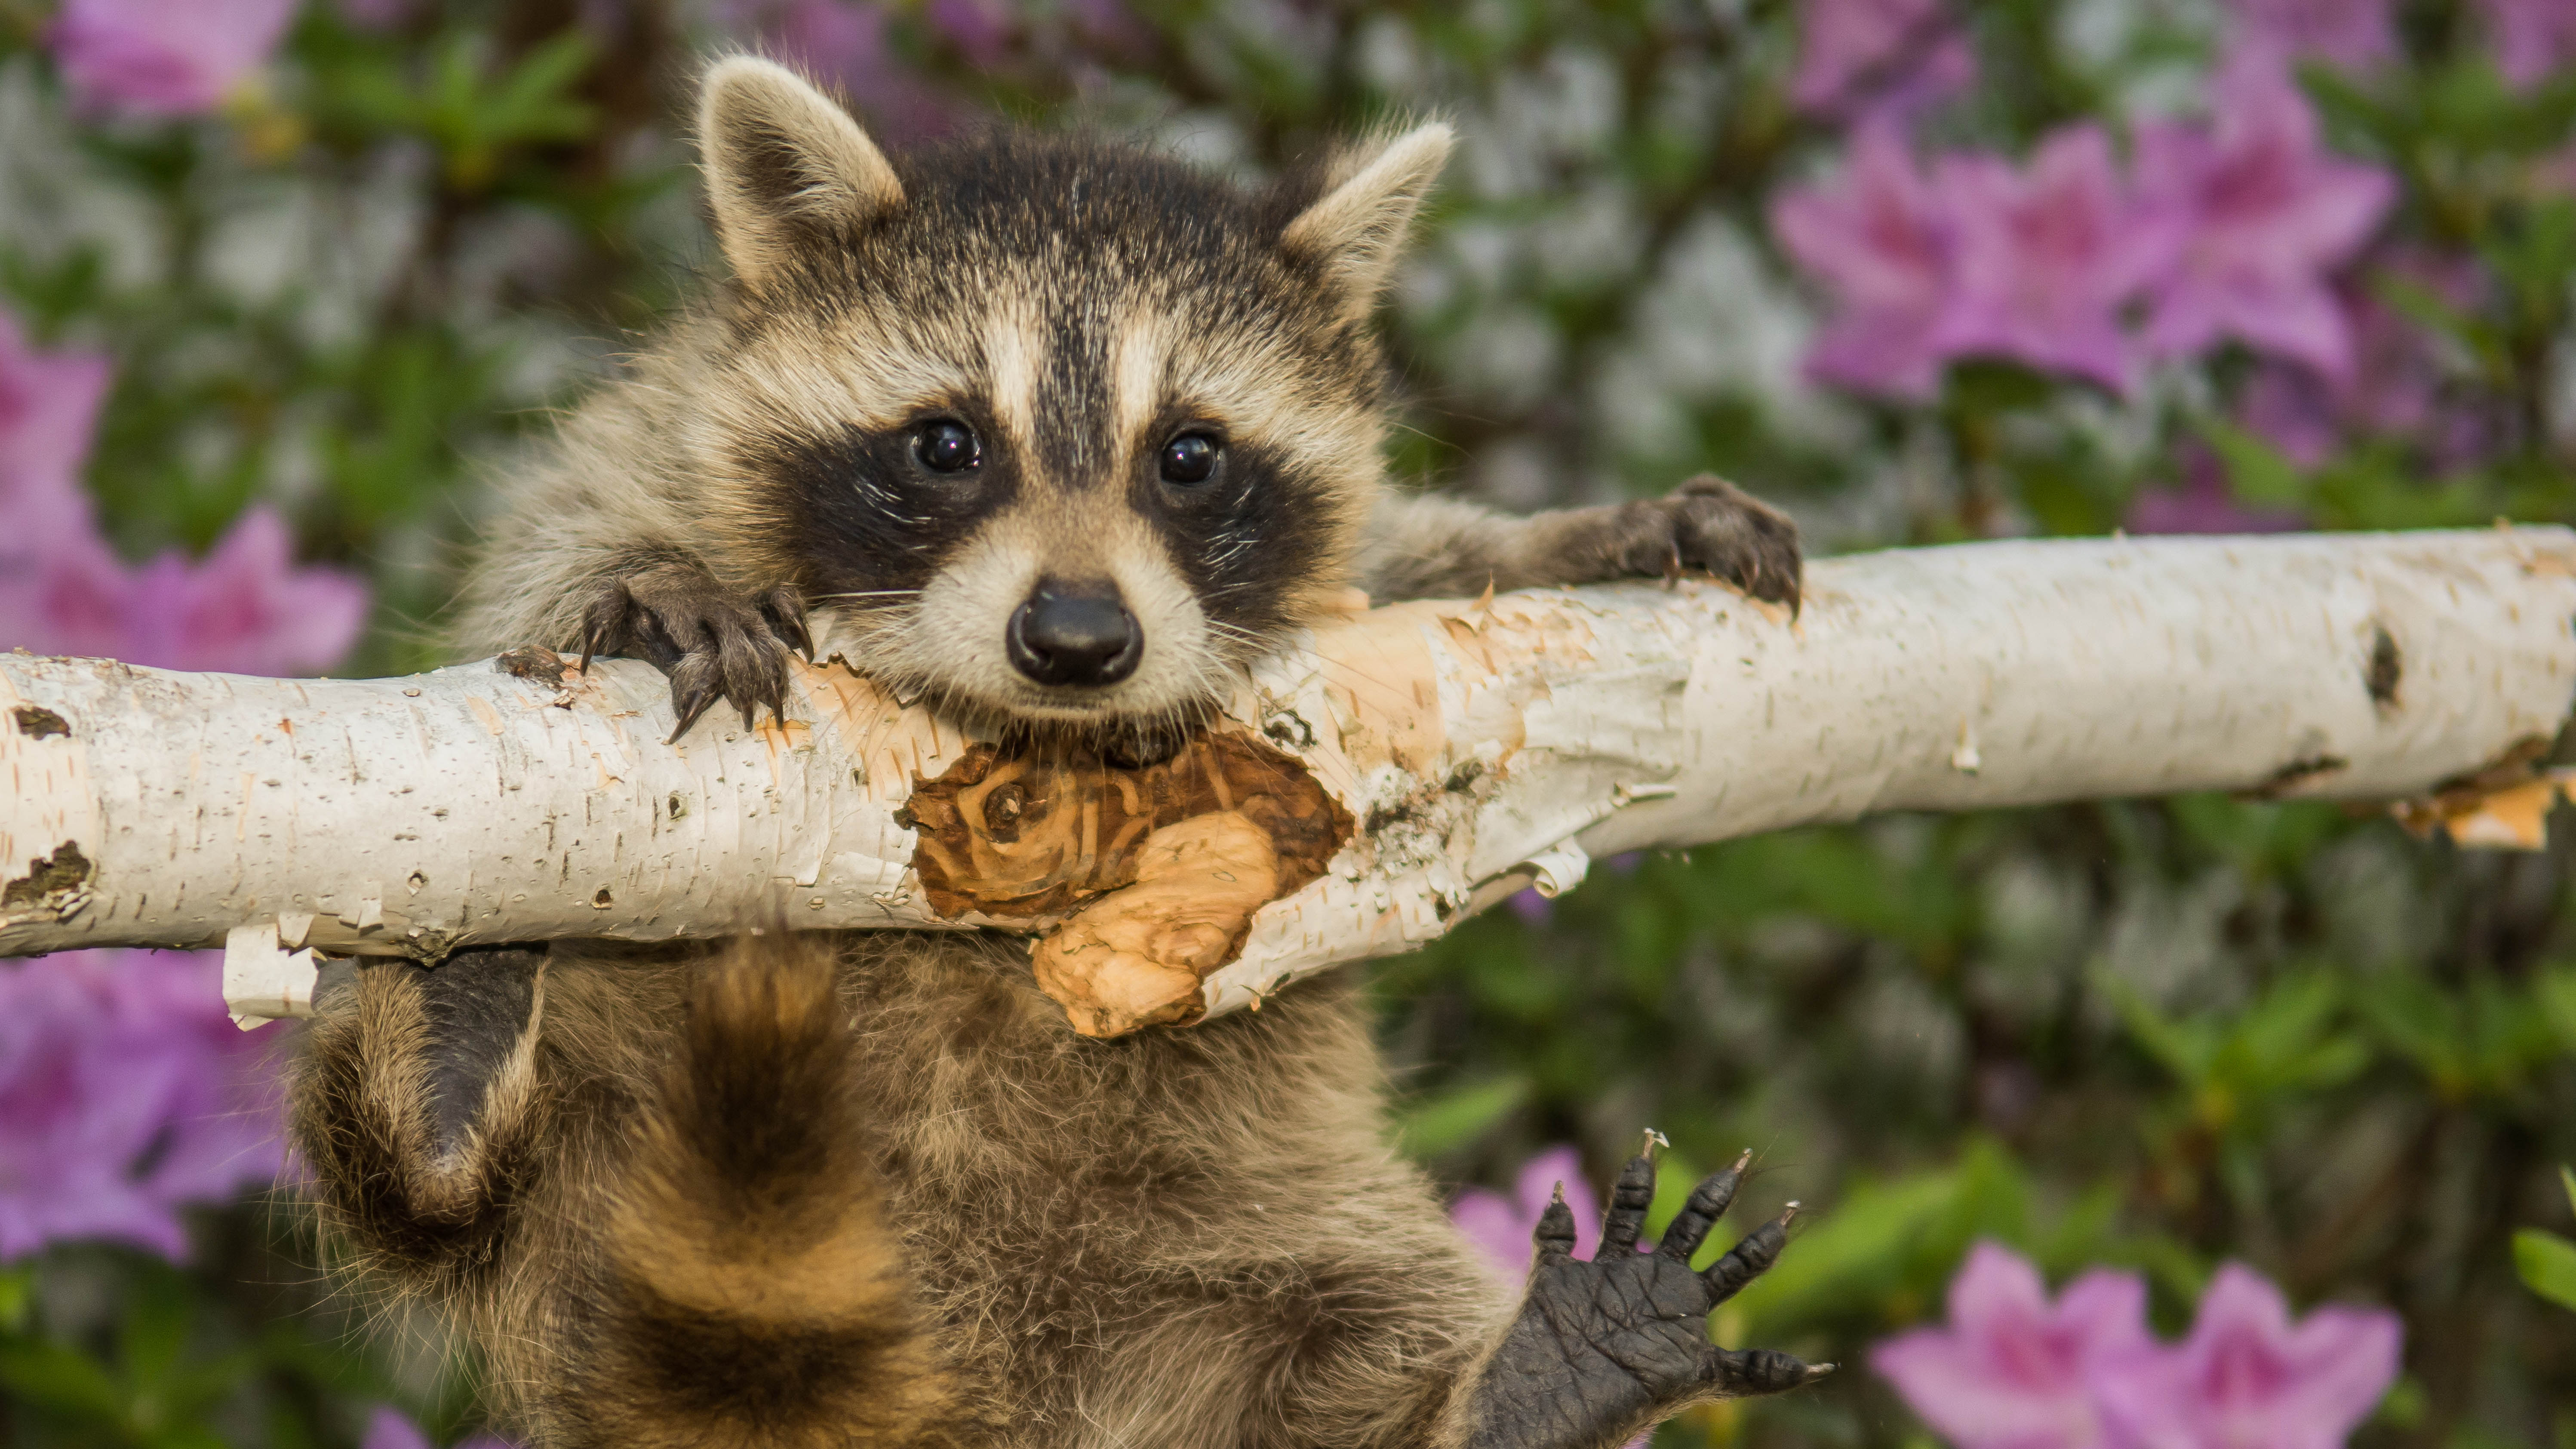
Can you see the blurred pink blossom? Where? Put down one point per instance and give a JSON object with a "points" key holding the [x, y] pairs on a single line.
{"points": [[244, 609], [1500, 1226], [2399, 385], [2044, 258], [2530, 38], [164, 57], [48, 407], [1885, 59], [2013, 1370], [2352, 34], [1881, 241], [126, 1093], [2247, 1376], [2259, 213]]}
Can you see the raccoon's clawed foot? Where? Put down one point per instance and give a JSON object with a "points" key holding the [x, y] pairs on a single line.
{"points": [[1707, 525], [1605, 1348], [713, 642]]}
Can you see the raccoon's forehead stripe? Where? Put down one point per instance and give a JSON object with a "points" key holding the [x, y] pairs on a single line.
{"points": [[1012, 346], [1136, 361]]}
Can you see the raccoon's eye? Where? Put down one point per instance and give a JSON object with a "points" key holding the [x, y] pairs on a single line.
{"points": [[1189, 459], [947, 446]]}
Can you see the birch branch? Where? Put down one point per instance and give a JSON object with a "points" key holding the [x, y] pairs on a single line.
{"points": [[1405, 767]]}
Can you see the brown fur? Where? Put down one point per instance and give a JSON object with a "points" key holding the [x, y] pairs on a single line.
{"points": [[1195, 1237], [872, 1190]]}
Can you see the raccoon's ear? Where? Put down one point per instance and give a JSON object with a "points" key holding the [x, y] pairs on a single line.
{"points": [[1356, 230], [783, 161]]}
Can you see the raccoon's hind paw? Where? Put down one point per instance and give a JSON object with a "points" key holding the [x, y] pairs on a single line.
{"points": [[1605, 1348], [714, 643], [1711, 526]]}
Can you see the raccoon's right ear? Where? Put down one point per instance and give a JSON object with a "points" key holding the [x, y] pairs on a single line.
{"points": [[1355, 232], [783, 162]]}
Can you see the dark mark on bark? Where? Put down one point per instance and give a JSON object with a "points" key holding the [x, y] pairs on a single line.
{"points": [[533, 661], [2296, 773], [2385, 670], [48, 877], [36, 722]]}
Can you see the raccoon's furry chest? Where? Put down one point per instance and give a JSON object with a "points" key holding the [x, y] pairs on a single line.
{"points": [[1113, 1231]]}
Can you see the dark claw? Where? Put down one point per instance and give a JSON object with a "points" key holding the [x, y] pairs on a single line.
{"points": [[1629, 1199], [784, 608], [603, 622], [1555, 1235], [1707, 1203], [714, 643], [1749, 1259], [695, 688], [1763, 1371]]}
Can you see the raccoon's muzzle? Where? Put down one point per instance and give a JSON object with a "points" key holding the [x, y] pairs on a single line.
{"points": [[1075, 634]]}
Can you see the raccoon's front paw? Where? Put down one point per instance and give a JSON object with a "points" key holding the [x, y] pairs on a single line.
{"points": [[1708, 525], [713, 642], [1605, 1348]]}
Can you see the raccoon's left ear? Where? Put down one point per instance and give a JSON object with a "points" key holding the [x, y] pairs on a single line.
{"points": [[1355, 232], [783, 163]]}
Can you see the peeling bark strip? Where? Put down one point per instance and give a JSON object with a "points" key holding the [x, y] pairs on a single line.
{"points": [[1410, 765]]}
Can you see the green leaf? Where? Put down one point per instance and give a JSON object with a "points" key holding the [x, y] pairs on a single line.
{"points": [[2547, 1263], [1446, 1121], [61, 1379], [2256, 471]]}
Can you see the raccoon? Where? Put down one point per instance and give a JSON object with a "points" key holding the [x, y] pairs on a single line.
{"points": [[1057, 436]]}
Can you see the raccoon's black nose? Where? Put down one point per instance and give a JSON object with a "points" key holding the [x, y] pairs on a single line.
{"points": [[1075, 634]]}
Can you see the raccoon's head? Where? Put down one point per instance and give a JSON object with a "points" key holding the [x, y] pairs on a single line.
{"points": [[1060, 433]]}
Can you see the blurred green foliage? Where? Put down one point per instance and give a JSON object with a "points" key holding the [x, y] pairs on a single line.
{"points": [[2154, 1034]]}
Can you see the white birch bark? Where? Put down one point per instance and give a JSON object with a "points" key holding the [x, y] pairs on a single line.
{"points": [[1471, 748]]}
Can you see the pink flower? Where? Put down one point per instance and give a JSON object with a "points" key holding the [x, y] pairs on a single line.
{"points": [[164, 57], [2045, 258], [1888, 59], [2352, 34], [1880, 239], [2248, 1378], [246, 609], [2261, 214], [2013, 1370], [48, 408], [2530, 38], [2399, 385], [125, 1093], [1500, 1226]]}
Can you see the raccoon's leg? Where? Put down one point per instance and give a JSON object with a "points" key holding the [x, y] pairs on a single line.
{"points": [[1604, 1349], [753, 1291], [418, 1107], [1421, 547], [714, 642]]}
